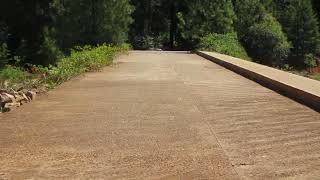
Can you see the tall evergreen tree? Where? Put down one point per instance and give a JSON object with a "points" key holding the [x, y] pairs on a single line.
{"points": [[300, 24], [27, 22], [3, 44], [152, 22], [92, 22]]}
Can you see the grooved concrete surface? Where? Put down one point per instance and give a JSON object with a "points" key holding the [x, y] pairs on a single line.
{"points": [[159, 115], [310, 85]]}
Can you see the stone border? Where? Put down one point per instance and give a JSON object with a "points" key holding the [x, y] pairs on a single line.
{"points": [[303, 90], [12, 99]]}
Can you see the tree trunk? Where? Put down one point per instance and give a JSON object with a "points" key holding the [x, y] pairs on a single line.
{"points": [[173, 24], [94, 21]]}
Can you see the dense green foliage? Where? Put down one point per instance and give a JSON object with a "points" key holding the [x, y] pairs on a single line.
{"points": [[261, 33], [26, 23], [273, 32], [13, 74], [217, 16], [39, 30], [81, 60], [144, 33], [266, 42], [92, 22], [301, 26], [225, 44], [3, 45]]}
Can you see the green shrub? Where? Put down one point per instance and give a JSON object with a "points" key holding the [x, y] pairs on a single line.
{"points": [[81, 60], [266, 43], [260, 33], [225, 44], [13, 74], [206, 16], [317, 77], [310, 60]]}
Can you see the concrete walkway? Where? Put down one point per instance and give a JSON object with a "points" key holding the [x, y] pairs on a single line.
{"points": [[158, 115]]}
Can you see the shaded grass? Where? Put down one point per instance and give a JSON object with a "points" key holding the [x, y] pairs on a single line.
{"points": [[316, 76]]}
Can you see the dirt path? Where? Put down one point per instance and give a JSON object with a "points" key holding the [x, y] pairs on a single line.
{"points": [[161, 116]]}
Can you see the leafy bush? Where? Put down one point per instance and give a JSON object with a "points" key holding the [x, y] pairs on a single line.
{"points": [[81, 60], [260, 33], [225, 44], [301, 26], [266, 42], [49, 51], [13, 74], [91, 22], [310, 60], [317, 77], [206, 16]]}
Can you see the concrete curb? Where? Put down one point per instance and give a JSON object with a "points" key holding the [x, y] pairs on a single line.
{"points": [[284, 83]]}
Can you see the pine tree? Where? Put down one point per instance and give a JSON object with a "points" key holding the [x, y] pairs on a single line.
{"points": [[92, 22], [151, 23], [300, 24], [27, 23], [3, 44]]}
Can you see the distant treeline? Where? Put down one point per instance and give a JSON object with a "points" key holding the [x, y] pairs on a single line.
{"points": [[273, 32]]}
